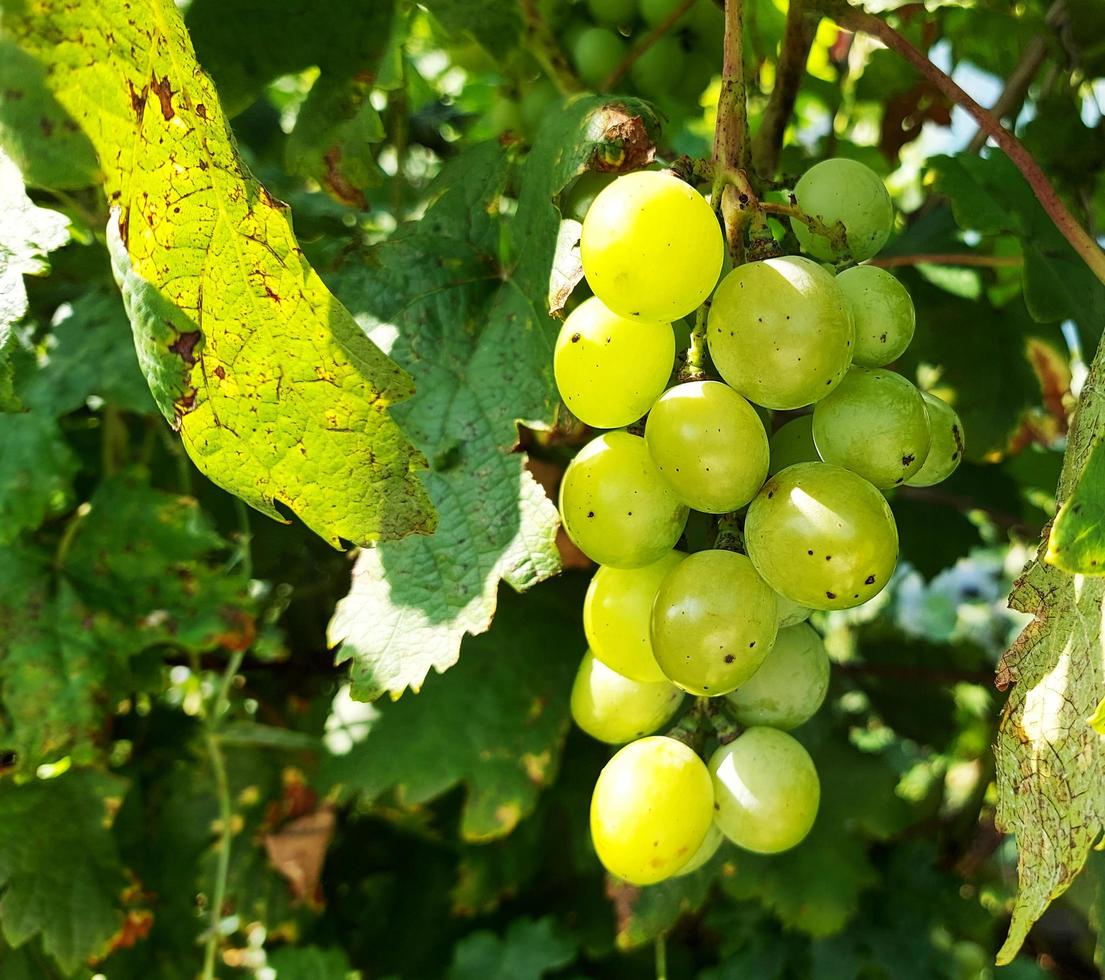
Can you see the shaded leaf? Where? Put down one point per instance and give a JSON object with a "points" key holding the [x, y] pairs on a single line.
{"points": [[310, 963], [1076, 543], [528, 950]]}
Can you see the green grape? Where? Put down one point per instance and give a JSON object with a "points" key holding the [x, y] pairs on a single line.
{"points": [[617, 616], [651, 809], [615, 709], [656, 71], [654, 11], [766, 789], [581, 195], [610, 369], [597, 52], [822, 536], [616, 506], [946, 450], [793, 443], [790, 612], [613, 11], [707, 21], [713, 622], [874, 424], [844, 190], [535, 105], [709, 444], [780, 332], [651, 246], [706, 850], [883, 313], [790, 685]]}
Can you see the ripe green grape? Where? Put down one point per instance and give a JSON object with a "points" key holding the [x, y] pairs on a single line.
{"points": [[616, 506], [581, 195], [610, 369], [780, 332], [713, 622], [790, 612], [651, 809], [790, 685], [596, 52], [613, 11], [883, 312], [651, 246], [946, 450], [709, 444], [706, 850], [654, 11], [793, 443], [766, 789], [822, 536], [615, 709], [656, 71], [617, 616], [844, 190], [874, 424]]}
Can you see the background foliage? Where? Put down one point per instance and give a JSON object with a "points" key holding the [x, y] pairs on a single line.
{"points": [[176, 734]]}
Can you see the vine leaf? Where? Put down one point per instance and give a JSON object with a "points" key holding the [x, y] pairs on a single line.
{"points": [[1050, 758], [1077, 540], [27, 234], [466, 316], [278, 396], [60, 874]]}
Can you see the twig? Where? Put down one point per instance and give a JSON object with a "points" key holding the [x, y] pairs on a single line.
{"points": [[789, 71], [855, 19], [662, 957], [547, 52], [947, 258], [644, 44]]}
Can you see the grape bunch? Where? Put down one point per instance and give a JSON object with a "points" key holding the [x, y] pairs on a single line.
{"points": [[805, 513]]}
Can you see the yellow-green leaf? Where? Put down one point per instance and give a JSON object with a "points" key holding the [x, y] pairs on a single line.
{"points": [[278, 395], [1077, 540]]}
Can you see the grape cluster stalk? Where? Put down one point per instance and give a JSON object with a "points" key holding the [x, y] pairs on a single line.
{"points": [[799, 347]]}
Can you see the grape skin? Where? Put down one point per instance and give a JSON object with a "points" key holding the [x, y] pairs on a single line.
{"points": [[844, 190], [596, 52], [780, 332], [706, 850], [874, 424], [617, 615], [883, 311], [713, 622], [651, 809], [616, 507], [651, 246], [766, 789], [790, 612], [655, 71], [946, 451], [615, 709], [793, 443], [609, 369], [822, 536], [709, 444], [790, 685]]}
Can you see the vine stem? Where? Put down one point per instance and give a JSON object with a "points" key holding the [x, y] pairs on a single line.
{"points": [[947, 258], [661, 957], [644, 44], [854, 19]]}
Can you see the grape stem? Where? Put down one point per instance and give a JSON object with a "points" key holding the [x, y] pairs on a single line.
{"points": [[948, 258], [854, 19], [644, 44]]}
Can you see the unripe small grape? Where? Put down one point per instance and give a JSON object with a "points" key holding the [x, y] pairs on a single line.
{"points": [[883, 312], [844, 190], [790, 685], [596, 52], [946, 450]]}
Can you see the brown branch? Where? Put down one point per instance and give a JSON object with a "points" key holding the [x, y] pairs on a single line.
{"points": [[789, 72], [855, 19], [948, 258], [547, 52], [644, 44]]}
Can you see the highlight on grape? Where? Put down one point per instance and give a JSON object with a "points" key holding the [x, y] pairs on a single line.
{"points": [[791, 435]]}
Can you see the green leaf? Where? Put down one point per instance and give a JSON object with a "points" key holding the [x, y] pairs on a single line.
{"points": [[496, 25], [989, 195], [495, 723], [645, 913], [1050, 762], [528, 950], [60, 876], [469, 323], [277, 394], [36, 473], [310, 963], [27, 234], [1076, 543]]}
